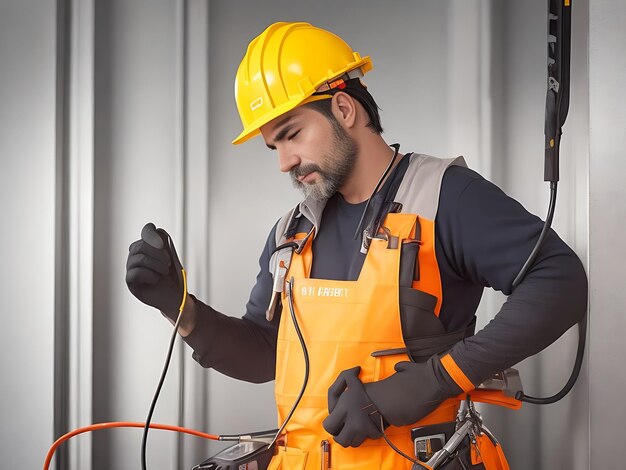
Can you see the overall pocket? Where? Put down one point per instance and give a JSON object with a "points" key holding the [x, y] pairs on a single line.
{"points": [[291, 458], [417, 314]]}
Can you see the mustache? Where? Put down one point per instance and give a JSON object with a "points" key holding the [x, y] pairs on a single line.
{"points": [[303, 170]]}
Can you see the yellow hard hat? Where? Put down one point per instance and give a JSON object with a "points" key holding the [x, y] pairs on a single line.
{"points": [[284, 66]]}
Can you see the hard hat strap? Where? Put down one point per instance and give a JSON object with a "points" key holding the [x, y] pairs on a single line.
{"points": [[339, 82]]}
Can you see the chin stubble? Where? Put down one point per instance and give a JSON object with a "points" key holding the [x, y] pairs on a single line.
{"points": [[338, 164]]}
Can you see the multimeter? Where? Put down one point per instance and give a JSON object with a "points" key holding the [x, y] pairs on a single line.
{"points": [[253, 455]]}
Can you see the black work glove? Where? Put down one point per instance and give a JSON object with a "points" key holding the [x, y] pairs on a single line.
{"points": [[153, 271], [405, 397], [353, 417], [413, 392]]}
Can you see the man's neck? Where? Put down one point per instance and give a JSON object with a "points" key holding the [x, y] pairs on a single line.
{"points": [[373, 158]]}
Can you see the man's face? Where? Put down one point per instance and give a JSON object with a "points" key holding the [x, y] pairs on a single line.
{"points": [[316, 151]]}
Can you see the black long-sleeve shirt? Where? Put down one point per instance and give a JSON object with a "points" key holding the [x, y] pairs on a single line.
{"points": [[483, 237]]}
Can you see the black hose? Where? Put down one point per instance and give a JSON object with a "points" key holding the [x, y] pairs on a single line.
{"points": [[582, 325], [582, 336], [305, 351], [542, 236]]}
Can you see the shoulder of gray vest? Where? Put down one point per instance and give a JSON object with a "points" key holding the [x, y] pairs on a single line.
{"points": [[419, 190], [283, 224], [281, 237]]}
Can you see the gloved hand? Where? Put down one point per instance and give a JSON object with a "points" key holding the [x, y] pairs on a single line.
{"points": [[152, 274], [353, 417], [405, 397]]}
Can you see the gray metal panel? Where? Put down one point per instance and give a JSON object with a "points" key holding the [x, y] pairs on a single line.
{"points": [[137, 180], [135, 142], [27, 237], [607, 223]]}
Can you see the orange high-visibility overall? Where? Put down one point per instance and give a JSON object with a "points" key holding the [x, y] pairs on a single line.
{"points": [[343, 323]]}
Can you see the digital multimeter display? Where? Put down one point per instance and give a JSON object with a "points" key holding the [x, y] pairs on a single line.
{"points": [[241, 456]]}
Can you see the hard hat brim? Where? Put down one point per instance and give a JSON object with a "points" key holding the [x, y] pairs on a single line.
{"points": [[255, 129]]}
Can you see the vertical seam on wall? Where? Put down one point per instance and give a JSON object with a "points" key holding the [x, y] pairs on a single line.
{"points": [[484, 92], [181, 142], [80, 211], [587, 362], [61, 277]]}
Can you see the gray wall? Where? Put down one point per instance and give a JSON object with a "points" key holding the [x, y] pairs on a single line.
{"points": [[450, 76], [27, 197], [136, 163], [607, 213]]}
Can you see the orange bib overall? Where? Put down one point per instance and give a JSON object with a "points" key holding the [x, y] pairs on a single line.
{"points": [[343, 323]]}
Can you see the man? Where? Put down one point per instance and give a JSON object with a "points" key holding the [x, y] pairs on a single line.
{"points": [[371, 284]]}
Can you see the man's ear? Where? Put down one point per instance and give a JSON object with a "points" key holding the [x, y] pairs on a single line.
{"points": [[344, 108]]}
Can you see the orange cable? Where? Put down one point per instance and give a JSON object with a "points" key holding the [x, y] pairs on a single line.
{"points": [[120, 424]]}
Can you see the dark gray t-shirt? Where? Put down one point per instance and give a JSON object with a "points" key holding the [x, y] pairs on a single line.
{"points": [[483, 237]]}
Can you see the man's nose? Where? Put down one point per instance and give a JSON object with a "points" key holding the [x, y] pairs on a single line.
{"points": [[287, 160]]}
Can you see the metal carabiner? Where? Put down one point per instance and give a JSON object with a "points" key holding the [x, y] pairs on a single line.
{"points": [[383, 234]]}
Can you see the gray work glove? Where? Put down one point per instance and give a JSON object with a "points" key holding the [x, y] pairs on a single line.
{"points": [[153, 271], [405, 397]]}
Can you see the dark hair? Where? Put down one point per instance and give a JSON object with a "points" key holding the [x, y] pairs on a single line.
{"points": [[359, 92]]}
